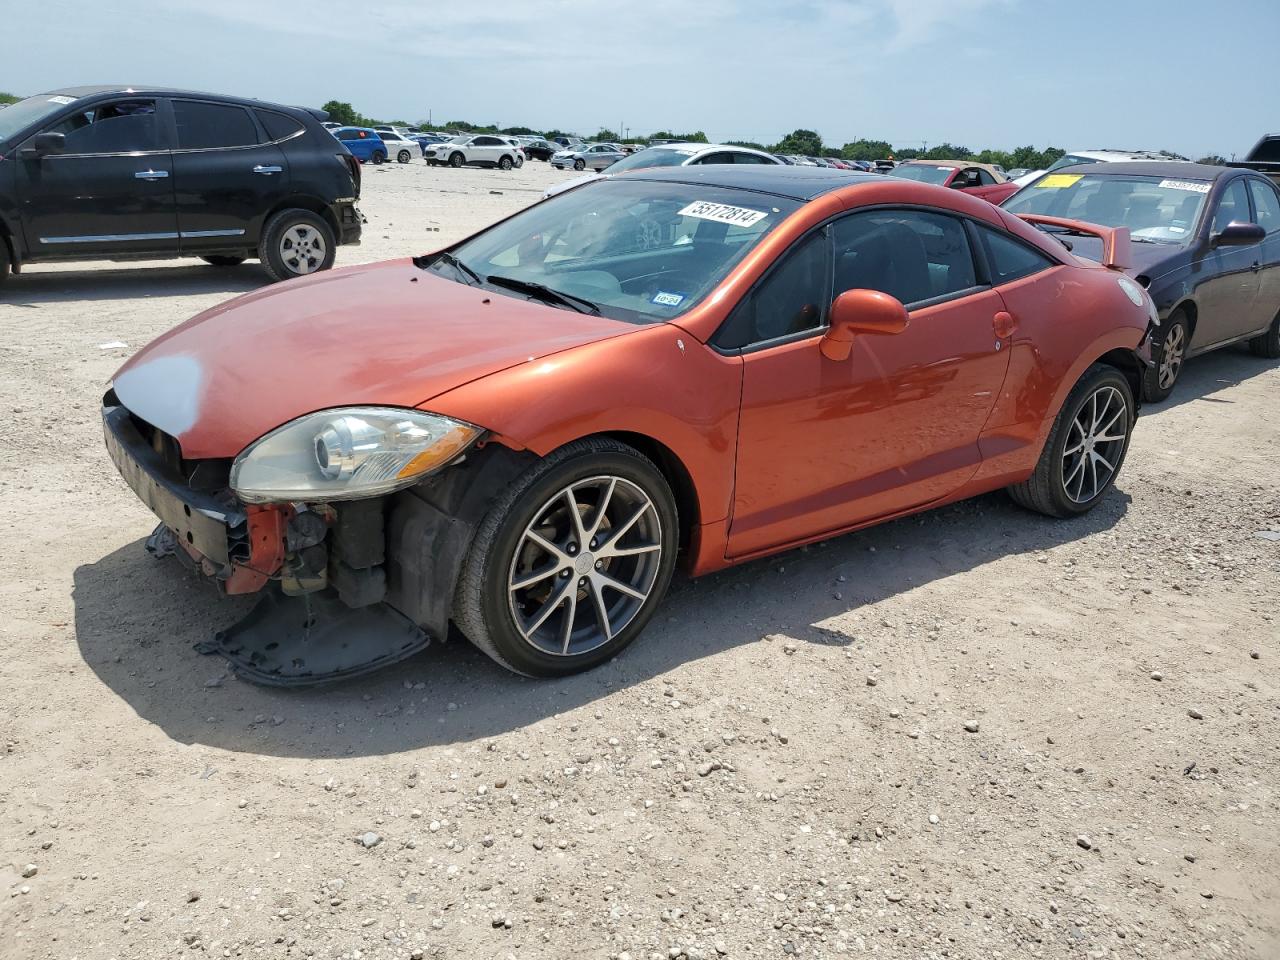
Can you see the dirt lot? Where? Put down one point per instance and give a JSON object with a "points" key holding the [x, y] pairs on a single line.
{"points": [[781, 766]]}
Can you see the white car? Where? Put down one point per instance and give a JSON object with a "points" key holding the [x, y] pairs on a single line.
{"points": [[674, 155], [484, 149], [399, 146], [1098, 156]]}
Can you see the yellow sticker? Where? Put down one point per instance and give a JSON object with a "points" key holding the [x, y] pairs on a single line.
{"points": [[1056, 181]]}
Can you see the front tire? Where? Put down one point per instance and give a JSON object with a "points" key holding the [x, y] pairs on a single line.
{"points": [[1267, 345], [579, 164], [1171, 354], [404, 156], [570, 564], [455, 160], [224, 261], [1085, 448], [296, 243]]}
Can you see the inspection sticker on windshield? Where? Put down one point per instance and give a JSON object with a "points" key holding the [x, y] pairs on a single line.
{"points": [[1195, 186], [62, 100], [723, 213], [1058, 181], [665, 299]]}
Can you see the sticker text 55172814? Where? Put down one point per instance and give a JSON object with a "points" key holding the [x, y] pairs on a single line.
{"points": [[723, 213], [1195, 186]]}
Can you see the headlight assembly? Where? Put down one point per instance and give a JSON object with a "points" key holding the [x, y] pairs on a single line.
{"points": [[347, 454]]}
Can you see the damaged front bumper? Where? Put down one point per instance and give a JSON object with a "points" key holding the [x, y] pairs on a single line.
{"points": [[322, 571]]}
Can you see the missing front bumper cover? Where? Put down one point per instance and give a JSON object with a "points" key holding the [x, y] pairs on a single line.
{"points": [[298, 641]]}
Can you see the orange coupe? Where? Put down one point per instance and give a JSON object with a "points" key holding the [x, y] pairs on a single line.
{"points": [[523, 434]]}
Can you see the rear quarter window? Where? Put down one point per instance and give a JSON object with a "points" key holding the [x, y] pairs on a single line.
{"points": [[277, 125], [204, 126], [1011, 259]]}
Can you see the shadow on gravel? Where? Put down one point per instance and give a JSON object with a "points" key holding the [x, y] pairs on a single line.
{"points": [[1207, 374], [31, 289], [137, 619]]}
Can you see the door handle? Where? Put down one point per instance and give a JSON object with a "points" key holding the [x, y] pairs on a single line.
{"points": [[1256, 266], [151, 174], [267, 171], [1004, 324]]}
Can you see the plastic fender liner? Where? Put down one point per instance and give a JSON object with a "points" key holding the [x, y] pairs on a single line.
{"points": [[431, 527]]}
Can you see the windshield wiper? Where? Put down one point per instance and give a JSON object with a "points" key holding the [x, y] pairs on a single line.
{"points": [[458, 265], [544, 292]]}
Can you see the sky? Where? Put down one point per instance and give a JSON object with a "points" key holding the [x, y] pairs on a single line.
{"points": [[1127, 74]]}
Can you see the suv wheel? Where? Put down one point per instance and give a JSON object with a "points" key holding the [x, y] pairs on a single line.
{"points": [[504, 163], [403, 156], [571, 561], [296, 243], [224, 261], [379, 157], [455, 160]]}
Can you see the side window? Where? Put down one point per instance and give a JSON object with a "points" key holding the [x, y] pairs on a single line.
{"points": [[349, 134], [1234, 206], [277, 125], [910, 254], [985, 178], [720, 157], [791, 299], [1011, 259], [747, 158], [203, 126], [486, 142], [125, 126], [1267, 203]]}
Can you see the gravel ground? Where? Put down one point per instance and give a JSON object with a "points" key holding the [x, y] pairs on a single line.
{"points": [[977, 733]]}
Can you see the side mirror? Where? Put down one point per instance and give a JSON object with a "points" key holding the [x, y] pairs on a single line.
{"points": [[44, 144], [857, 312], [1238, 234], [959, 183]]}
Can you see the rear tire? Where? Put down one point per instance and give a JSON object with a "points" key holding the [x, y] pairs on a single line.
{"points": [[1267, 345], [296, 243], [569, 594], [379, 157], [404, 156], [224, 261], [1069, 478], [1171, 355], [505, 163], [4, 260]]}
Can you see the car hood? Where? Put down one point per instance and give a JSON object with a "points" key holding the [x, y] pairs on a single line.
{"points": [[381, 334], [1147, 257]]}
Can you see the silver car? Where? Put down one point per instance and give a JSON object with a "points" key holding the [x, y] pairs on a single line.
{"points": [[590, 156]]}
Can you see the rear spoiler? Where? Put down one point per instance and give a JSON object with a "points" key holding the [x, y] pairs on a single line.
{"points": [[1116, 253]]}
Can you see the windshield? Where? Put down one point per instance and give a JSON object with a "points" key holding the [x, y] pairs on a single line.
{"points": [[18, 116], [1070, 160], [653, 157], [1154, 209], [638, 251], [924, 172]]}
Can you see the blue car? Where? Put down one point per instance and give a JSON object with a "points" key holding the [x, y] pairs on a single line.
{"points": [[365, 144]]}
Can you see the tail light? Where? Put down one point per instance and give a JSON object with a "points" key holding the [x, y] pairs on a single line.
{"points": [[353, 168]]}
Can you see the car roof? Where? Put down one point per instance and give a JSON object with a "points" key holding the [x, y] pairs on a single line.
{"points": [[1174, 169], [1124, 155], [796, 183], [154, 91]]}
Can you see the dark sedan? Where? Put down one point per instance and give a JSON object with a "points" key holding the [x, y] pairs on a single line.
{"points": [[540, 150], [1206, 245]]}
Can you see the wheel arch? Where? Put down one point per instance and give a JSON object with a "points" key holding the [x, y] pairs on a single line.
{"points": [[673, 469], [311, 205], [1129, 364]]}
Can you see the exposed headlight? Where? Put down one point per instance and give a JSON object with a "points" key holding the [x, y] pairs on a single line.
{"points": [[347, 454]]}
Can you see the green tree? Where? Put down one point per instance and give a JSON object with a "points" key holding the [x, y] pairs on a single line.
{"points": [[8, 98], [807, 143], [696, 137], [747, 143], [866, 150], [1213, 160], [605, 135], [519, 131], [344, 113]]}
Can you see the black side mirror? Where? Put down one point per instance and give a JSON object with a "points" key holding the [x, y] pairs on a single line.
{"points": [[44, 144], [1238, 234]]}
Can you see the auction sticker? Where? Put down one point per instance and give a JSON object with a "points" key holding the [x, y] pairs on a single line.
{"points": [[723, 213], [62, 100], [665, 299], [1058, 181], [1195, 186]]}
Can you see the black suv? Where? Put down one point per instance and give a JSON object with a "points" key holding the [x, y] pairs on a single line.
{"points": [[118, 173]]}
